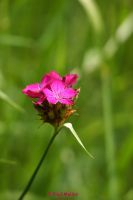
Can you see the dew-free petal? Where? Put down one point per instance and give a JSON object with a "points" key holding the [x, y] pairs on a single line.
{"points": [[60, 93], [50, 96], [69, 93], [55, 75], [49, 78], [66, 101], [32, 90], [70, 79], [58, 87]]}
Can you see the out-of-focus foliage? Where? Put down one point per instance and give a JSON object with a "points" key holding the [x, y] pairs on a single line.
{"points": [[93, 38]]}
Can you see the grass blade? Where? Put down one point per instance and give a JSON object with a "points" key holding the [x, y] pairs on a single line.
{"points": [[9, 162], [93, 13], [6, 98]]}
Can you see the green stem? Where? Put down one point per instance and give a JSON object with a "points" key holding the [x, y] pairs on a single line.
{"points": [[39, 165], [109, 134]]}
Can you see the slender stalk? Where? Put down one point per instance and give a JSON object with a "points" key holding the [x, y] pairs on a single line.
{"points": [[56, 131], [109, 134]]}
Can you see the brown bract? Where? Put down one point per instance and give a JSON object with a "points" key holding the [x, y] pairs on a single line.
{"points": [[55, 114]]}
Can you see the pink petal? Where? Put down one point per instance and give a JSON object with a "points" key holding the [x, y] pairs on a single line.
{"points": [[49, 78], [58, 87], [70, 79], [45, 81], [32, 90], [55, 75], [66, 101], [69, 93], [50, 96]]}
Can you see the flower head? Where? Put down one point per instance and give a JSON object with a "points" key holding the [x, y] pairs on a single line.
{"points": [[55, 97], [58, 92]]}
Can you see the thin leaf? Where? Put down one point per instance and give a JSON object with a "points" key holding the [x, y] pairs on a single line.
{"points": [[9, 162], [70, 127], [126, 152], [94, 58], [94, 14], [18, 41], [6, 98]]}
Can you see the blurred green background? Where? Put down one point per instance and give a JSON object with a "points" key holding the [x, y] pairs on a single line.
{"points": [[94, 39]]}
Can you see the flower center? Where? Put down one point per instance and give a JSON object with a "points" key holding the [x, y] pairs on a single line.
{"points": [[57, 95]]}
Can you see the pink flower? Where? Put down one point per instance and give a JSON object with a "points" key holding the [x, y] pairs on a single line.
{"points": [[58, 92], [55, 97], [54, 88]]}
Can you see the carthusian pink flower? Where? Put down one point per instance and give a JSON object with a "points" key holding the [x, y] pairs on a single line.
{"points": [[53, 97], [58, 92]]}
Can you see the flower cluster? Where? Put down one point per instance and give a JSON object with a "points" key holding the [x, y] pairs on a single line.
{"points": [[55, 97]]}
